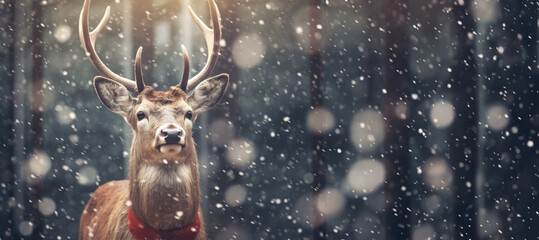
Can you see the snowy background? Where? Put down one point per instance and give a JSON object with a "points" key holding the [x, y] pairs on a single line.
{"points": [[421, 116]]}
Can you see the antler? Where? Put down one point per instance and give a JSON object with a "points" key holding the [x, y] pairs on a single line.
{"points": [[88, 38], [185, 75], [213, 38]]}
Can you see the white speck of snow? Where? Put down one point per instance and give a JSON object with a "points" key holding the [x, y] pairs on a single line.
{"points": [[500, 49], [178, 215], [286, 119]]}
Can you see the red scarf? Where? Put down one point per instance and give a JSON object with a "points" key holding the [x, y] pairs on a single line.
{"points": [[143, 232]]}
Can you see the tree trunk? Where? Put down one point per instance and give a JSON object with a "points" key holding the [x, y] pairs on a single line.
{"points": [[8, 120], [37, 112], [374, 60], [397, 135], [143, 35], [464, 141], [520, 53], [318, 164], [226, 175]]}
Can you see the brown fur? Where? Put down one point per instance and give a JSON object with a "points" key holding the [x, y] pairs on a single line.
{"points": [[163, 189], [105, 216], [171, 96], [156, 192]]}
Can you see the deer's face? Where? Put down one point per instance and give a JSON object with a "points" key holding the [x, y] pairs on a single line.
{"points": [[162, 121]]}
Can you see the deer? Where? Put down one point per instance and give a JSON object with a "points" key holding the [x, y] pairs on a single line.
{"points": [[161, 199]]}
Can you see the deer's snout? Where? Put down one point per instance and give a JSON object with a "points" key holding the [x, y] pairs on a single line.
{"points": [[171, 134]]}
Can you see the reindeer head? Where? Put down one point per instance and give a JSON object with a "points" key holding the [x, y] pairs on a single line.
{"points": [[162, 121]]}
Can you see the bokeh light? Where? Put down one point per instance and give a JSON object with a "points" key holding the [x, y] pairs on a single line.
{"points": [[330, 202], [248, 50], [235, 195], [485, 10], [221, 131], [47, 206], [64, 114], [497, 117], [365, 176], [320, 120], [442, 114], [431, 203], [87, 176], [240, 153], [62, 33], [367, 130], [425, 231], [26, 228], [437, 175], [39, 164]]}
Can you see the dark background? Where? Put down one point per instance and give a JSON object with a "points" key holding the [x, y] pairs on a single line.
{"points": [[344, 120]]}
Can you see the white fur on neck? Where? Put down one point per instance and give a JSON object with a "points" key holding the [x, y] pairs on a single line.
{"points": [[164, 190], [165, 175]]}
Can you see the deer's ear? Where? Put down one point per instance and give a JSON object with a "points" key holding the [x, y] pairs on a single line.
{"points": [[208, 93], [113, 95]]}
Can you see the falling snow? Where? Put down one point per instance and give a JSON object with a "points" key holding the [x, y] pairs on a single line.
{"points": [[425, 127]]}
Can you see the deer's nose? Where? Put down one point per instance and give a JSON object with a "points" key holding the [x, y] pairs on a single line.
{"points": [[172, 136]]}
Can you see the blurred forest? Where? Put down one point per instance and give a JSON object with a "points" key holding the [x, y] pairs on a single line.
{"points": [[345, 119]]}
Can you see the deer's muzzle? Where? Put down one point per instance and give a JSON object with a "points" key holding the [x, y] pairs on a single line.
{"points": [[170, 138]]}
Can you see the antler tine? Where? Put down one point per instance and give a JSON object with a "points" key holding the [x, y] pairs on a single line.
{"points": [[100, 26], [88, 42], [185, 74], [213, 38], [138, 71]]}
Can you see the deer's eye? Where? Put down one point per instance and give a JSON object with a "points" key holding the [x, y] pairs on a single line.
{"points": [[141, 115], [189, 115]]}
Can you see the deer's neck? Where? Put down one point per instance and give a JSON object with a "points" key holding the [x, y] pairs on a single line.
{"points": [[164, 196]]}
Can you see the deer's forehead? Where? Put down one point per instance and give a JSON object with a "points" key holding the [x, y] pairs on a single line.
{"points": [[172, 96], [162, 106], [175, 98], [181, 104]]}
